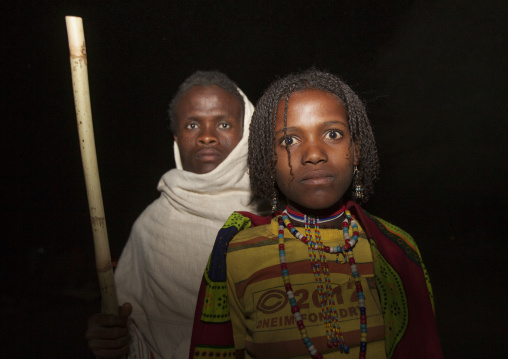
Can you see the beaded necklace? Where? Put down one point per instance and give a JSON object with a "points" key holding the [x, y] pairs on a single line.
{"points": [[301, 217], [333, 331]]}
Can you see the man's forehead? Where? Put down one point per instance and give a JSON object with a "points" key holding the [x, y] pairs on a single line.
{"points": [[208, 91], [208, 99]]}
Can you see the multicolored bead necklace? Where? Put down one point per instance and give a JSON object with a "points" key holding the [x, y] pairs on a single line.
{"points": [[334, 333], [300, 217]]}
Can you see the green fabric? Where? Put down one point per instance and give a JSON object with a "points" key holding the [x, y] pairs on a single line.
{"points": [[215, 306], [390, 287], [212, 351], [239, 221], [411, 249], [393, 300]]}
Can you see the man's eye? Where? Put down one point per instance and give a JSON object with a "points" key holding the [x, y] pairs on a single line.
{"points": [[192, 125], [224, 125]]}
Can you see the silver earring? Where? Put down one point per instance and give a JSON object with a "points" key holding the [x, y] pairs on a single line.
{"points": [[274, 198], [274, 201], [357, 186]]}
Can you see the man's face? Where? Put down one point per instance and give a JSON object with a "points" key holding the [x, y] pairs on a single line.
{"points": [[210, 125]]}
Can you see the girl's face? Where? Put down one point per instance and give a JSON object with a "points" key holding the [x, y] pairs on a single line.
{"points": [[322, 154]]}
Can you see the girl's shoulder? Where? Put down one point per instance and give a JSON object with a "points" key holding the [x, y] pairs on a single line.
{"points": [[387, 226], [251, 230], [241, 225], [255, 234], [395, 233], [375, 226], [243, 220]]}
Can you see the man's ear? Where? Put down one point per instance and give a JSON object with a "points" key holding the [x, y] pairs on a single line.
{"points": [[357, 155]]}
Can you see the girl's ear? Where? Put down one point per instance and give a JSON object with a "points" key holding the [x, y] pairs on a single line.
{"points": [[356, 154]]}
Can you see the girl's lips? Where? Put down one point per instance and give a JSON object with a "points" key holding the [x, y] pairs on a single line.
{"points": [[317, 177], [317, 181]]}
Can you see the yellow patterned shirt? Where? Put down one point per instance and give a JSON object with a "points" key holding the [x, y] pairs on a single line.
{"points": [[261, 315]]}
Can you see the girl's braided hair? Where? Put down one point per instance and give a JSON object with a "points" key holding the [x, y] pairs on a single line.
{"points": [[262, 157]]}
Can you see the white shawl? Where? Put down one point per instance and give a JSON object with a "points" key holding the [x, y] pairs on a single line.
{"points": [[161, 266]]}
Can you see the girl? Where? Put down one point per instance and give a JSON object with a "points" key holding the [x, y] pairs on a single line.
{"points": [[322, 278]]}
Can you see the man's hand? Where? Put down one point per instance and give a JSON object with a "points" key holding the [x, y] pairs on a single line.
{"points": [[108, 335]]}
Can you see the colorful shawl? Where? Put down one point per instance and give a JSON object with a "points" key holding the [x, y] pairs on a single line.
{"points": [[402, 280]]}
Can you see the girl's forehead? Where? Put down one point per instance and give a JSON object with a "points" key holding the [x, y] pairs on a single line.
{"points": [[319, 92], [310, 102]]}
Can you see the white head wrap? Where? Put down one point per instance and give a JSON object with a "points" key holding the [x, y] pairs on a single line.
{"points": [[161, 266], [220, 191]]}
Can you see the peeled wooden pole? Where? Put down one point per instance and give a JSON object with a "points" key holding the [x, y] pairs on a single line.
{"points": [[79, 71]]}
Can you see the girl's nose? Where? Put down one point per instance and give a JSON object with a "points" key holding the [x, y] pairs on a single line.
{"points": [[314, 153]]}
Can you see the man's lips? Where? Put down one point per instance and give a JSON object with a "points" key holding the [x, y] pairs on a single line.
{"points": [[208, 155], [317, 178]]}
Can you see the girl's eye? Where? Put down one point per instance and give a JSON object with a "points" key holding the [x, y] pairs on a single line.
{"points": [[288, 141], [192, 125], [334, 134], [224, 125]]}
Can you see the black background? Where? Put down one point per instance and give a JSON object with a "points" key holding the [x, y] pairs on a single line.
{"points": [[432, 73]]}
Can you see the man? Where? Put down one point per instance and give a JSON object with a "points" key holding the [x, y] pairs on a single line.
{"points": [[160, 268]]}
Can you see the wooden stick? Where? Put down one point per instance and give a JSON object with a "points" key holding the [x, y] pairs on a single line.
{"points": [[79, 71]]}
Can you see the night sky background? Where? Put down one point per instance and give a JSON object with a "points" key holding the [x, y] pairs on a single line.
{"points": [[434, 78]]}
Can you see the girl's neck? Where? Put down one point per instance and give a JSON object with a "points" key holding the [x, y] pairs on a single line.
{"points": [[334, 214]]}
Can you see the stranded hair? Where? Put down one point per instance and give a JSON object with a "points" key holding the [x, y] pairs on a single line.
{"points": [[262, 158]]}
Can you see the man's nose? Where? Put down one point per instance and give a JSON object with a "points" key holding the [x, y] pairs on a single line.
{"points": [[207, 136]]}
